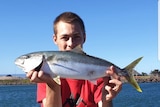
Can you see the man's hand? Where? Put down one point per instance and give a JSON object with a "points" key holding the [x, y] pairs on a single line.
{"points": [[112, 87], [38, 77]]}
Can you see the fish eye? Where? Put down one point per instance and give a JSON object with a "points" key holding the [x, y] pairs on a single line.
{"points": [[25, 56]]}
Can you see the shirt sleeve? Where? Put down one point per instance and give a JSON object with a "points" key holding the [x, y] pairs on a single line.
{"points": [[41, 92], [98, 91]]}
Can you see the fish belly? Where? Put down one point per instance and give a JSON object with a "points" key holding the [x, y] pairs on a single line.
{"points": [[78, 70]]}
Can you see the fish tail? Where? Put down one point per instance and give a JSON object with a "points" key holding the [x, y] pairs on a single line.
{"points": [[130, 74]]}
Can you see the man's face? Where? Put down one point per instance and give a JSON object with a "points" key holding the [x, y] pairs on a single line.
{"points": [[68, 36]]}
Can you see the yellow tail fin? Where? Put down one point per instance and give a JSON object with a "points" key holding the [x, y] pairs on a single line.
{"points": [[130, 75]]}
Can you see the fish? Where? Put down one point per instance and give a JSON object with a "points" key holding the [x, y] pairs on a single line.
{"points": [[74, 64]]}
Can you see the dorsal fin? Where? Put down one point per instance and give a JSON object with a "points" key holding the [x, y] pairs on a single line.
{"points": [[78, 49]]}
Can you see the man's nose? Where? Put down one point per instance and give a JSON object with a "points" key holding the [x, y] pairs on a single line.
{"points": [[70, 42]]}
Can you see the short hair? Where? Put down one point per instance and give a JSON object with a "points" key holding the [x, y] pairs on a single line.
{"points": [[68, 17]]}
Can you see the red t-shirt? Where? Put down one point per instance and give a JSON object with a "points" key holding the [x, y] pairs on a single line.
{"points": [[76, 92], [41, 92]]}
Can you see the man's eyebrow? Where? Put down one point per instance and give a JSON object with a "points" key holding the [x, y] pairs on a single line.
{"points": [[67, 35], [76, 33], [64, 35]]}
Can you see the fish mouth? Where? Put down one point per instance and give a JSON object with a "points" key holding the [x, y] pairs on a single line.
{"points": [[38, 68]]}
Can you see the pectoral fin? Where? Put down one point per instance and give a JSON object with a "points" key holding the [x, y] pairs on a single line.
{"points": [[57, 80]]}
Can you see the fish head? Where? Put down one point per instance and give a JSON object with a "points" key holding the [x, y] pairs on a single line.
{"points": [[29, 62]]}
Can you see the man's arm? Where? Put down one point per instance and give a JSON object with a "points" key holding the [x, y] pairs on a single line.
{"points": [[53, 94], [53, 90]]}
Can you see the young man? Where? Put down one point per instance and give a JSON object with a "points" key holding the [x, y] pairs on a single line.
{"points": [[69, 32]]}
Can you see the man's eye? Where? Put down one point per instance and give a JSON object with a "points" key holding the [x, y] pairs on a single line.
{"points": [[65, 38], [77, 37]]}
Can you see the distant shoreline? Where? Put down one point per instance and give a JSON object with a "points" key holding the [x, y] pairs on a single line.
{"points": [[13, 80], [14, 75], [144, 79]]}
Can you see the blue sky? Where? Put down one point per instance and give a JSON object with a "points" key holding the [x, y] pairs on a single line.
{"points": [[117, 30]]}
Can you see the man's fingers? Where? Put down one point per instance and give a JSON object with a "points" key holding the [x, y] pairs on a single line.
{"points": [[111, 93], [117, 85], [29, 74], [43, 76], [33, 76], [112, 72]]}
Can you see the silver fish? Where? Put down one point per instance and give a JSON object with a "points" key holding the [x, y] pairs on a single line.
{"points": [[74, 64]]}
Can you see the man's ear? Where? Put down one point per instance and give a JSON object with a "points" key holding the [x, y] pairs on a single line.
{"points": [[55, 39], [84, 37]]}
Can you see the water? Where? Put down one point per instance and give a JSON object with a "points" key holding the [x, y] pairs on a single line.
{"points": [[18, 96], [129, 97], [25, 96]]}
